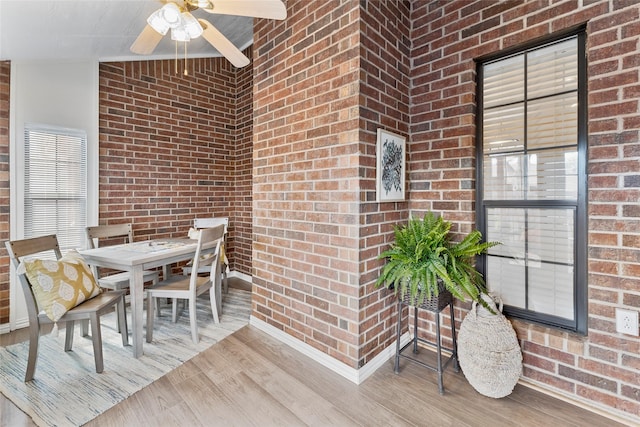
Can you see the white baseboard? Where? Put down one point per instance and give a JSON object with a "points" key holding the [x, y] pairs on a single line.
{"points": [[5, 328], [356, 376], [381, 358], [240, 275], [576, 401]]}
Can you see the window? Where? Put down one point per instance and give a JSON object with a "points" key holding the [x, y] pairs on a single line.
{"points": [[532, 181], [55, 184]]}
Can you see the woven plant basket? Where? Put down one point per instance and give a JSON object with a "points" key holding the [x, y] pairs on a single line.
{"points": [[435, 303], [488, 350]]}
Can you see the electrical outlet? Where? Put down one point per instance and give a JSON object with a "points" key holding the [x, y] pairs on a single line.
{"points": [[627, 322]]}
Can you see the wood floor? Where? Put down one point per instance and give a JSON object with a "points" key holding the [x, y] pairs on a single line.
{"points": [[251, 379]]}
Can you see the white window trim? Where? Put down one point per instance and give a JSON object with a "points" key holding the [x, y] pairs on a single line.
{"points": [[17, 313]]}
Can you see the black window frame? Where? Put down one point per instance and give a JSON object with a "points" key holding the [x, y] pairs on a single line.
{"points": [[579, 323]]}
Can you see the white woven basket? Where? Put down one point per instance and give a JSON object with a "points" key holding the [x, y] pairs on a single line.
{"points": [[488, 350]]}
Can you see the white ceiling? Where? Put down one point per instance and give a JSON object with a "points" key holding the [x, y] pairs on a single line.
{"points": [[32, 30]]}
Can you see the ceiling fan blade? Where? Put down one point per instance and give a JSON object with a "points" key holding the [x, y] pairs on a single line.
{"points": [[146, 41], [271, 9], [223, 45]]}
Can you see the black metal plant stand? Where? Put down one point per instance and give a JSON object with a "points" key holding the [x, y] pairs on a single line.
{"points": [[435, 305]]}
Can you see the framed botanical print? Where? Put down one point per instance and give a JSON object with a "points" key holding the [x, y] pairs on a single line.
{"points": [[390, 167]]}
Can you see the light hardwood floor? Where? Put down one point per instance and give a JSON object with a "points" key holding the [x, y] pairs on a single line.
{"points": [[251, 379]]}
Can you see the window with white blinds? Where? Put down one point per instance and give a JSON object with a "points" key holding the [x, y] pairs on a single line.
{"points": [[532, 175], [55, 184]]}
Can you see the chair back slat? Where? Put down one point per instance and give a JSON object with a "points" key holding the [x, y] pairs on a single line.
{"points": [[211, 222], [19, 249], [111, 231], [207, 253], [200, 223]]}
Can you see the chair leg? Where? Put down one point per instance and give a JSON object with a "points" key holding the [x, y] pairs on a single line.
{"points": [[150, 305], [34, 336], [84, 327], [96, 337], [193, 320], [174, 310], [217, 288], [122, 321], [225, 281], [117, 318], [68, 342], [214, 305], [154, 282]]}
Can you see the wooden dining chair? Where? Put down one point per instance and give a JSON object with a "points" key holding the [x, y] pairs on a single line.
{"points": [[199, 223], [88, 311], [191, 286], [115, 234]]}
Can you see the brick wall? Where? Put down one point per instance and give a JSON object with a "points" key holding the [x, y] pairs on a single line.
{"points": [[169, 145], [241, 192], [306, 171], [5, 72], [385, 65], [603, 368], [326, 79]]}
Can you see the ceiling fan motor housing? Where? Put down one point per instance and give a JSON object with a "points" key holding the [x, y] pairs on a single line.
{"points": [[185, 26]]}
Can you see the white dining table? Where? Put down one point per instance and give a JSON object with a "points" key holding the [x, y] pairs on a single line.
{"points": [[135, 258]]}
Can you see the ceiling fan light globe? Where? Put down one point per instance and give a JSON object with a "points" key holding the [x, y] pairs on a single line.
{"points": [[179, 34], [191, 25], [157, 22], [171, 14]]}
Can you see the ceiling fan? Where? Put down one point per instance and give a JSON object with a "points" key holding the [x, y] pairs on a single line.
{"points": [[176, 17]]}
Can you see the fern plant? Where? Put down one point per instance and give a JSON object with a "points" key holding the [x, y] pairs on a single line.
{"points": [[423, 258]]}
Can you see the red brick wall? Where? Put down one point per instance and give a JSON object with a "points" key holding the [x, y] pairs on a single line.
{"points": [[5, 73], [306, 170], [325, 80], [169, 145], [385, 65], [241, 192], [603, 368]]}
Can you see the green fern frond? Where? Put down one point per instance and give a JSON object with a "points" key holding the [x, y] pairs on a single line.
{"points": [[422, 256]]}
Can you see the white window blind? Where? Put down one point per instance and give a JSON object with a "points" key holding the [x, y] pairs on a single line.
{"points": [[55, 184], [530, 179]]}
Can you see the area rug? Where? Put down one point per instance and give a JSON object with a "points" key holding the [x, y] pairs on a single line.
{"points": [[66, 390]]}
